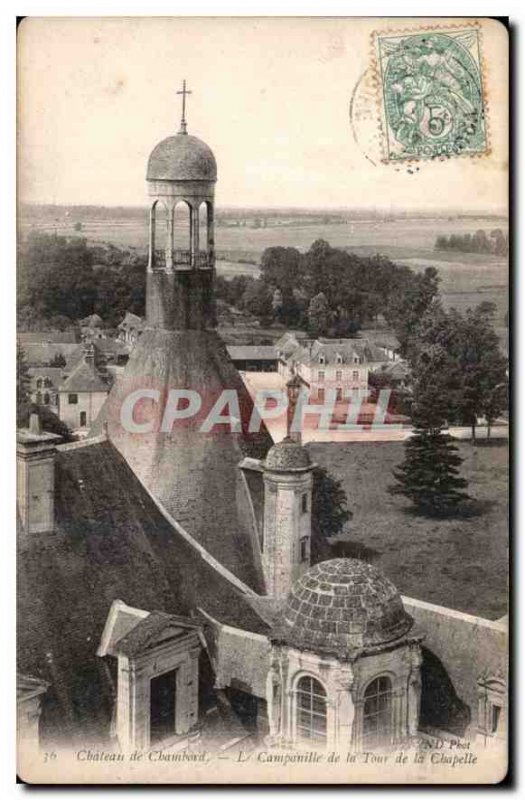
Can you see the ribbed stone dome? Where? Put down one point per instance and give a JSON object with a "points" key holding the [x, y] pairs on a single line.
{"points": [[341, 607], [182, 158], [287, 456]]}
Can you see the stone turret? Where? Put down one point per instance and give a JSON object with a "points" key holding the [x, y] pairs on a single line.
{"points": [[288, 482], [181, 171]]}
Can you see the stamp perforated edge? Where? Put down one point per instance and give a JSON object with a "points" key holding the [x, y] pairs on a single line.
{"points": [[377, 81]]}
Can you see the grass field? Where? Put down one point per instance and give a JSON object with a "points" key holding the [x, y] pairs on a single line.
{"points": [[459, 563]]}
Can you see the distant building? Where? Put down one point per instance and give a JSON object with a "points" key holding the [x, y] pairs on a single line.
{"points": [[340, 364], [44, 387], [49, 337], [83, 391], [388, 343], [130, 328], [254, 358], [112, 352], [396, 374], [92, 327]]}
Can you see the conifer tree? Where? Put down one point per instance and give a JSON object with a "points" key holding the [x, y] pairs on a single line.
{"points": [[429, 475]]}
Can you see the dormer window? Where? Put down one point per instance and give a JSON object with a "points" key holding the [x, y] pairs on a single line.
{"points": [[492, 707], [339, 359], [157, 674]]}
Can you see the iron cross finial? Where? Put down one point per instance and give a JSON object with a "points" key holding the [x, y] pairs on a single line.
{"points": [[183, 92]]}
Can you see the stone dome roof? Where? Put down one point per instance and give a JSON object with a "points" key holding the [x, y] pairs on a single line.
{"points": [[342, 607], [182, 158], [287, 456]]}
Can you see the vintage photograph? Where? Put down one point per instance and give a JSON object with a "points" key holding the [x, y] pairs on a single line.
{"points": [[262, 368]]}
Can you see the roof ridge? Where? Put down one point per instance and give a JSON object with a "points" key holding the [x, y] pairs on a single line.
{"points": [[205, 555], [83, 443]]}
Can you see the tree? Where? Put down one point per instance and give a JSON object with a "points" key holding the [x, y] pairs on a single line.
{"points": [[319, 316], [329, 512], [281, 267], [407, 307], [482, 364], [257, 299], [277, 302], [51, 423], [429, 475], [495, 402], [24, 407], [23, 385]]}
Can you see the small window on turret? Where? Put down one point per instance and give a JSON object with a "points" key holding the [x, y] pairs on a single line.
{"points": [[304, 549], [304, 503]]}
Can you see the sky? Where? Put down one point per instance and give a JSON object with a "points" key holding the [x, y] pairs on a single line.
{"points": [[270, 96]]}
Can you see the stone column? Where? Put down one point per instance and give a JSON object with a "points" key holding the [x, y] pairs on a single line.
{"points": [[170, 224], [357, 732], [345, 712], [152, 231], [414, 699], [210, 230], [195, 234]]}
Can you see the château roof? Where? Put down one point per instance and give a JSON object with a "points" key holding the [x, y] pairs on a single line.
{"points": [[182, 158], [195, 475], [342, 607], [84, 378], [111, 541]]}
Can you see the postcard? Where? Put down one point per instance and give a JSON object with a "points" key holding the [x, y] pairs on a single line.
{"points": [[262, 400]]}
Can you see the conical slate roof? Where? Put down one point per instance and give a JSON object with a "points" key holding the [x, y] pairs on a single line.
{"points": [[193, 474]]}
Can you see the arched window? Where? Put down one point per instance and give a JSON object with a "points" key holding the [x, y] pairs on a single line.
{"points": [[46, 398], [158, 233], [39, 383], [182, 232], [377, 713], [310, 709]]}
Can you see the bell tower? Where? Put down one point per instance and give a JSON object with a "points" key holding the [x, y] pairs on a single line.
{"points": [[181, 171]]}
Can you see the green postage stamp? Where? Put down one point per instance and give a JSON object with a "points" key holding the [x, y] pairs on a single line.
{"points": [[431, 93]]}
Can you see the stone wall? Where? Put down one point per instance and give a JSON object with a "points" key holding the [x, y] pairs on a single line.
{"points": [[459, 649], [242, 660]]}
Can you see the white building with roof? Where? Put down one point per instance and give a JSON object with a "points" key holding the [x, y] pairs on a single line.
{"points": [[341, 365], [83, 392]]}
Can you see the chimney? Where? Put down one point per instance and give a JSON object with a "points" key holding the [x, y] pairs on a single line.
{"points": [[89, 354], [35, 464], [293, 391]]}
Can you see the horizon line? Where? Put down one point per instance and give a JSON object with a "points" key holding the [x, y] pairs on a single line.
{"points": [[325, 209]]}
